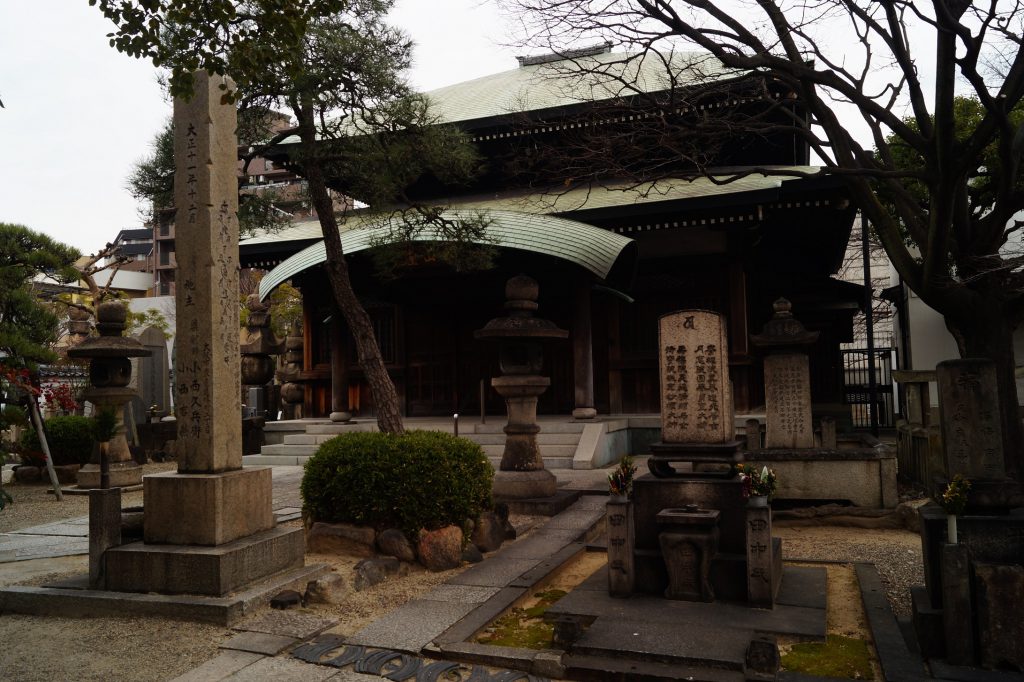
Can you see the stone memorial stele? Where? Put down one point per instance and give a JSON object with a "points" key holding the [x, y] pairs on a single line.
{"points": [[221, 500], [969, 409], [208, 528], [696, 399], [787, 379]]}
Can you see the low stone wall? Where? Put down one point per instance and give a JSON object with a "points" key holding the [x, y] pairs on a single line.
{"points": [[866, 477]]}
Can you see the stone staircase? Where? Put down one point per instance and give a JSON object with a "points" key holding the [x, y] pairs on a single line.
{"points": [[292, 443]]}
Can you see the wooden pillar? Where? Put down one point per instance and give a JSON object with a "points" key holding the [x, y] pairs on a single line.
{"points": [[339, 376], [583, 353], [614, 358], [739, 344]]}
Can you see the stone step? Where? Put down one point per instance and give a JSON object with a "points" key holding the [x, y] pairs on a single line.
{"points": [[545, 427], [545, 450], [288, 450], [275, 460], [335, 429], [549, 462], [308, 438], [542, 438]]}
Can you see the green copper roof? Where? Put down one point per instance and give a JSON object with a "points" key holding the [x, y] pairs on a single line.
{"points": [[589, 247], [566, 82], [560, 200]]}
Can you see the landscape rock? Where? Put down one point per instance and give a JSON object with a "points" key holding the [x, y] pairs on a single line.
{"points": [[328, 589], [490, 532], [67, 473], [340, 538], [370, 572], [394, 543], [27, 474], [471, 554], [440, 550], [288, 599], [501, 509]]}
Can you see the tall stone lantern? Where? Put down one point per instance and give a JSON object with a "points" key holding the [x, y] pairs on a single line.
{"points": [[520, 335], [110, 371], [258, 347]]}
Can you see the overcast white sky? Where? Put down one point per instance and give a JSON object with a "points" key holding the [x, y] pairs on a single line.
{"points": [[78, 113]]}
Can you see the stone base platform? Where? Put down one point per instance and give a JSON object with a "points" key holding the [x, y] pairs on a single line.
{"points": [[122, 475], [70, 599], [542, 506], [216, 508], [650, 629], [193, 569]]}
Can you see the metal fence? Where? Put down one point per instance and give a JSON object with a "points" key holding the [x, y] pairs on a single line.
{"points": [[857, 387]]}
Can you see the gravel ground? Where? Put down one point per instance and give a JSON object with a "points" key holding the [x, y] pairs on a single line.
{"points": [[895, 553], [33, 505]]}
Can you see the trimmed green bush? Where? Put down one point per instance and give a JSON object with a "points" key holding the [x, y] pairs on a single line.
{"points": [[70, 439], [418, 479]]}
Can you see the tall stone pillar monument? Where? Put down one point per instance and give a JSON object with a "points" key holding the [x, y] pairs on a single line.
{"points": [[210, 513], [222, 501]]}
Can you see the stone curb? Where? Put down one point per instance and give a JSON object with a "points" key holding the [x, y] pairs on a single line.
{"points": [[898, 663]]}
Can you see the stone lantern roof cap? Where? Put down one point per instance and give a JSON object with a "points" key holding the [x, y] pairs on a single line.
{"points": [[783, 330]]}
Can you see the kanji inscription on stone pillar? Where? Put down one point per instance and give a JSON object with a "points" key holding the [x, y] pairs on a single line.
{"points": [[206, 239]]}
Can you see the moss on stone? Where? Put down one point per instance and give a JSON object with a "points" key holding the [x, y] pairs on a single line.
{"points": [[524, 628], [837, 656]]}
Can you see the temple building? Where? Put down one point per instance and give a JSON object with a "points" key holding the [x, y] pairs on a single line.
{"points": [[612, 251]]}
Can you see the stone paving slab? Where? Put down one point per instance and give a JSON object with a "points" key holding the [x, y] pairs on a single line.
{"points": [[462, 594], [216, 669], [548, 566], [283, 669], [798, 621], [803, 586], [296, 624], [259, 643], [412, 626], [720, 647], [495, 572], [475, 621]]}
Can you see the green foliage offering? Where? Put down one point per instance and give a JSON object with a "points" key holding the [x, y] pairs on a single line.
{"points": [[71, 440], [838, 656], [412, 480], [620, 481], [104, 424], [954, 499]]}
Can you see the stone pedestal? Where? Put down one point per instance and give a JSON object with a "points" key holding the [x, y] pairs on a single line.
{"points": [[104, 530], [123, 474], [957, 617], [621, 568], [521, 474], [689, 540], [761, 577], [207, 509]]}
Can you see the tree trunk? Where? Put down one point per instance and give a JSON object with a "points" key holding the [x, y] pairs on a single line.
{"points": [[385, 397], [989, 334]]}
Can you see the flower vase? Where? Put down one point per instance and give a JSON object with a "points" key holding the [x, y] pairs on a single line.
{"points": [[757, 501], [951, 529]]}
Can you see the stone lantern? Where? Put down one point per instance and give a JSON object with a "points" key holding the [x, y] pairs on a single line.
{"points": [[110, 371], [258, 348], [787, 379], [521, 474]]}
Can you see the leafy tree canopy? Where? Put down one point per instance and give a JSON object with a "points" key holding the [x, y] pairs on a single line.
{"points": [[27, 326]]}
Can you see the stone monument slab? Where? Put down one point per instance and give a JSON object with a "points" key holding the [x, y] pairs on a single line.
{"points": [[969, 408], [696, 397], [787, 399], [760, 566]]}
